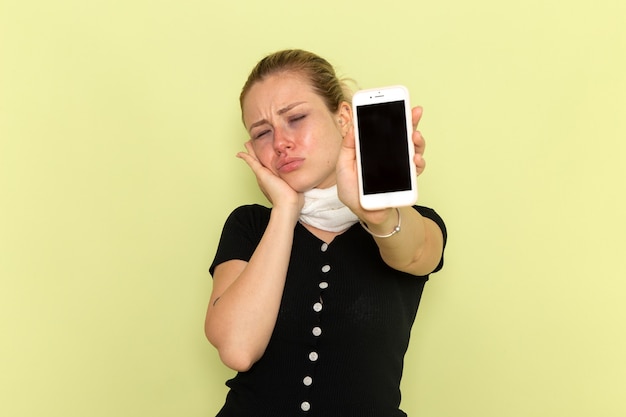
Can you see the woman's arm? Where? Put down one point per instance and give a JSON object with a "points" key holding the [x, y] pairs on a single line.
{"points": [[418, 246], [246, 296]]}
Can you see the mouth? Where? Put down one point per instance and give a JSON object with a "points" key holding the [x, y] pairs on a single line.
{"points": [[289, 165]]}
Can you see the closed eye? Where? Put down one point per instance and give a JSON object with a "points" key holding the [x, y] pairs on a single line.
{"points": [[297, 118], [261, 134]]}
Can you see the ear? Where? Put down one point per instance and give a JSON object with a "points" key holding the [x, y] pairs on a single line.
{"points": [[344, 117]]}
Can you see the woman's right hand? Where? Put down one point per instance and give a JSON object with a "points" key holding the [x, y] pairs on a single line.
{"points": [[246, 295], [277, 191]]}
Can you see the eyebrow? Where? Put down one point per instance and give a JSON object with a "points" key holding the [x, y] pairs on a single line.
{"points": [[280, 112]]}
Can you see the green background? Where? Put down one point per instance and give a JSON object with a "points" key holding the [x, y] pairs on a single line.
{"points": [[119, 125]]}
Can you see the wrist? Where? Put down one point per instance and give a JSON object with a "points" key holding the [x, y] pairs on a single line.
{"points": [[288, 212], [389, 227]]}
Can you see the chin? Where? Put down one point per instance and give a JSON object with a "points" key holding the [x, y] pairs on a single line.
{"points": [[301, 186]]}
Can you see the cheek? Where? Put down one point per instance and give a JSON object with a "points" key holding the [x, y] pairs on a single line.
{"points": [[264, 152], [333, 145]]}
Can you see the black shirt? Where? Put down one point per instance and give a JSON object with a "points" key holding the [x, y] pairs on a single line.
{"points": [[342, 330]]}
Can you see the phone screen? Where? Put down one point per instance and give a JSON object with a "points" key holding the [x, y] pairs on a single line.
{"points": [[384, 152]]}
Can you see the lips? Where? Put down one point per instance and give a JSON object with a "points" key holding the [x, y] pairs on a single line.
{"points": [[289, 164]]}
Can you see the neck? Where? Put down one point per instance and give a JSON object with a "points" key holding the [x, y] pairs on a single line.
{"points": [[323, 235], [323, 210]]}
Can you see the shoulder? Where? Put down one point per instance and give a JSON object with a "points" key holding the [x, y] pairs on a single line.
{"points": [[250, 214], [241, 234], [431, 214], [246, 222], [251, 209]]}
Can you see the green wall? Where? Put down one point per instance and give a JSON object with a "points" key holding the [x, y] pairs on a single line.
{"points": [[119, 124]]}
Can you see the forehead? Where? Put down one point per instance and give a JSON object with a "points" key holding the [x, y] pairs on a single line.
{"points": [[275, 92]]}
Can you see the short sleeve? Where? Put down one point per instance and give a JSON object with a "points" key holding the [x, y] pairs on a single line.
{"points": [[432, 215], [241, 234]]}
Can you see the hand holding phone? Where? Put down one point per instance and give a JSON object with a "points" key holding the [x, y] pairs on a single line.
{"points": [[384, 148]]}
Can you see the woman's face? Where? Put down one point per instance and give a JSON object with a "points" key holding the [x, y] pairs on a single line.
{"points": [[292, 131]]}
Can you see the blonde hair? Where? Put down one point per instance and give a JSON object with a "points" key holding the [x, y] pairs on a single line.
{"points": [[316, 69]]}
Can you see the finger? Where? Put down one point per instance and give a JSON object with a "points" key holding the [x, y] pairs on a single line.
{"points": [[420, 163], [257, 168], [419, 142], [348, 139], [348, 149], [250, 158], [416, 114], [420, 147], [250, 148], [247, 158]]}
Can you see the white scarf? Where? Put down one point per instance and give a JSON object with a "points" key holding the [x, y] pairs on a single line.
{"points": [[323, 210]]}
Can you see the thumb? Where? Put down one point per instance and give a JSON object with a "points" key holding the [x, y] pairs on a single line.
{"points": [[348, 139]]}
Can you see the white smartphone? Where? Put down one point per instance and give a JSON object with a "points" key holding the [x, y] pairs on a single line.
{"points": [[384, 147]]}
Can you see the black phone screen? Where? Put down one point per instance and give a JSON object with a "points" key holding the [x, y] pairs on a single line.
{"points": [[384, 147]]}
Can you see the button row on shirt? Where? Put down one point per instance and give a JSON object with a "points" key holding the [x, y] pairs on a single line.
{"points": [[316, 331]]}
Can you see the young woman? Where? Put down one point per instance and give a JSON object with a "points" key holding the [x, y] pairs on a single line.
{"points": [[313, 309]]}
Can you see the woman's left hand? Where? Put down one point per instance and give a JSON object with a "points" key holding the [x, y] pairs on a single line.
{"points": [[347, 182]]}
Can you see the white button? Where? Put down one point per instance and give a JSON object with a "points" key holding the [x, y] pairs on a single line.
{"points": [[317, 307], [313, 356], [307, 381], [317, 331], [324, 247], [305, 406], [326, 268], [323, 285]]}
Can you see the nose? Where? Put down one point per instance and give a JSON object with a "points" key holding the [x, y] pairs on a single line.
{"points": [[282, 141]]}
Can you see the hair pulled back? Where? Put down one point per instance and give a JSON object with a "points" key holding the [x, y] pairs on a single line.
{"points": [[316, 69]]}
